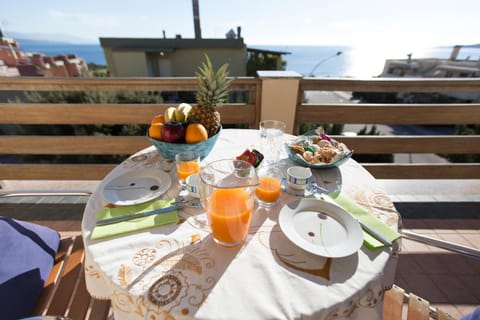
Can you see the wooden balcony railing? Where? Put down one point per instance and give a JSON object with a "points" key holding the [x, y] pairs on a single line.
{"points": [[95, 114], [249, 113], [403, 114]]}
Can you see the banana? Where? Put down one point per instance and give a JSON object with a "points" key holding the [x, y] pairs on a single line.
{"points": [[170, 114], [185, 107], [179, 115], [182, 111]]}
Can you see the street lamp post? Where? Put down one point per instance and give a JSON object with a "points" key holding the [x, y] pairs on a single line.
{"points": [[323, 61]]}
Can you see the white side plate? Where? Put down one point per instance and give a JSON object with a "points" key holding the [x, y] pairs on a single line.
{"points": [[321, 228], [136, 186]]}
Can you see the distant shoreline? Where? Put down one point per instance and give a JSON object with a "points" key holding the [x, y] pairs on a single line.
{"points": [[354, 62], [91, 53]]}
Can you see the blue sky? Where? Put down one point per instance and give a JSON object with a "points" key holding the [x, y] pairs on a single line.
{"points": [[296, 22]]}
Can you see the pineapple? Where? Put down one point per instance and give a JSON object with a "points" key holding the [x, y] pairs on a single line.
{"points": [[211, 95]]}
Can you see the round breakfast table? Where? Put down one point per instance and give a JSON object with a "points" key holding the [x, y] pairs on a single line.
{"points": [[176, 271]]}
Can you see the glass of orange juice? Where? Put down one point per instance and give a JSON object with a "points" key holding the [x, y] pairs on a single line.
{"points": [[188, 163], [270, 186], [227, 191]]}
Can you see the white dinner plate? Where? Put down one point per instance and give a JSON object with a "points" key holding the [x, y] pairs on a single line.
{"points": [[136, 186], [321, 228]]}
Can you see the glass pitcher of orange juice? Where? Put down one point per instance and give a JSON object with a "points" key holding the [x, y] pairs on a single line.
{"points": [[227, 191]]}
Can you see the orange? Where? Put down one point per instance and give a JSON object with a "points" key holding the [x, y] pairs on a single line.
{"points": [[155, 131], [195, 132], [159, 118]]}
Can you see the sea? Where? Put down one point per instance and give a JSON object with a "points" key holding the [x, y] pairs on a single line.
{"points": [[320, 61]]}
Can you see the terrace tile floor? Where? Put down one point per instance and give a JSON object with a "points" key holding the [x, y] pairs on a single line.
{"points": [[448, 280]]}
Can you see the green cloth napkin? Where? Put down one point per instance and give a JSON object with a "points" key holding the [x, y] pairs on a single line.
{"points": [[364, 216], [121, 227]]}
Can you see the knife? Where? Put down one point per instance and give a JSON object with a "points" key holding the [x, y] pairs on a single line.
{"points": [[136, 215], [375, 234]]}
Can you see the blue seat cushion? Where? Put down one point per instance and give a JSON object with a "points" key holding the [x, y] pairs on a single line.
{"points": [[475, 315], [27, 254]]}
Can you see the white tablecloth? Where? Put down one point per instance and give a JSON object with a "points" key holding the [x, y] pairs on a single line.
{"points": [[177, 271]]}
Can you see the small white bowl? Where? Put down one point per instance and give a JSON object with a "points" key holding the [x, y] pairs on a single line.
{"points": [[191, 185], [298, 177]]}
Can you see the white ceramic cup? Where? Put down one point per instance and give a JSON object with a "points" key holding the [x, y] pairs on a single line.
{"points": [[191, 185], [298, 177]]}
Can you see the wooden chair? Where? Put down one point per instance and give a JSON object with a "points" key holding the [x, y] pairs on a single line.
{"points": [[65, 293], [396, 300]]}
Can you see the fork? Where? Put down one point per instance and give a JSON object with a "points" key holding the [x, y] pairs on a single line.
{"points": [[180, 200]]}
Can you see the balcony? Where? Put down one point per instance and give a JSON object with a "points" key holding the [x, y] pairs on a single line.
{"points": [[436, 199]]}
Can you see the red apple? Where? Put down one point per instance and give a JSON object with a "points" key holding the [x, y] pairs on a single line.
{"points": [[173, 132]]}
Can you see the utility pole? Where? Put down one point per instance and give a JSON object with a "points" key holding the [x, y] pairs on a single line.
{"points": [[196, 19]]}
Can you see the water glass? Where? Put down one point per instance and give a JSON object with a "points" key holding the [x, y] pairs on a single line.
{"points": [[271, 140]]}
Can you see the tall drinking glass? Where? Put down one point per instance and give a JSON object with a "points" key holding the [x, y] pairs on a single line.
{"points": [[271, 140], [188, 163], [227, 192]]}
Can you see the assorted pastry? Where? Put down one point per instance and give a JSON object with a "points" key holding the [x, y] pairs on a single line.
{"points": [[318, 149]]}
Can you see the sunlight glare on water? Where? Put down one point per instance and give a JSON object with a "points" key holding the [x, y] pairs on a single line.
{"points": [[367, 62]]}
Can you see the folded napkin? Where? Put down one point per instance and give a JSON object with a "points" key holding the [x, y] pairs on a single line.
{"points": [[367, 218], [127, 226]]}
